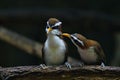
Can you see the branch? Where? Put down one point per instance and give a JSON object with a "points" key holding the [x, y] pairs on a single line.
{"points": [[60, 72], [21, 42]]}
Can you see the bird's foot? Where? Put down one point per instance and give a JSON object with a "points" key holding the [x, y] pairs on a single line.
{"points": [[102, 64], [81, 64], [68, 65], [43, 66]]}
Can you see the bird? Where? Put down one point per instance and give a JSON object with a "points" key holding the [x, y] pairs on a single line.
{"points": [[54, 51], [90, 51]]}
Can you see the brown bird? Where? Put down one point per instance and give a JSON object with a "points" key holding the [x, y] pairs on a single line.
{"points": [[54, 51], [90, 50]]}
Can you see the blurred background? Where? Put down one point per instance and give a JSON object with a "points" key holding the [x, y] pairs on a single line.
{"points": [[98, 20]]}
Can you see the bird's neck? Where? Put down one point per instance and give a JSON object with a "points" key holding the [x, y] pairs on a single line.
{"points": [[52, 37], [54, 40]]}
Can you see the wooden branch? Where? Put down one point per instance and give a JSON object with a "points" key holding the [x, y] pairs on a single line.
{"points": [[60, 73], [21, 42]]}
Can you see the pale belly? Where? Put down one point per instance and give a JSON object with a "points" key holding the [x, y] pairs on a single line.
{"points": [[88, 56], [55, 50], [55, 57]]}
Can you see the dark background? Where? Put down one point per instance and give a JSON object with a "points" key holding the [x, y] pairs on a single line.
{"points": [[98, 20]]}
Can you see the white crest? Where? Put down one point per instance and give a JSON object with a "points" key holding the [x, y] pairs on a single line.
{"points": [[77, 40], [57, 24]]}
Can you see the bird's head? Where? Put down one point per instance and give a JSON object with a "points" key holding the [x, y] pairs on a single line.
{"points": [[53, 26]]}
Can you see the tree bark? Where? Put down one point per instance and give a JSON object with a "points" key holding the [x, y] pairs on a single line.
{"points": [[60, 73]]}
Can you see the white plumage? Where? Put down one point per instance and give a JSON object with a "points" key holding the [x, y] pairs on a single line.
{"points": [[54, 49]]}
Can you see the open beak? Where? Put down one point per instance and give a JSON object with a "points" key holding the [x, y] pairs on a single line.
{"points": [[49, 29], [66, 35]]}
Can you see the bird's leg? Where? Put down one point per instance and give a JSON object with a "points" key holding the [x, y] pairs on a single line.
{"points": [[102, 64], [81, 64], [68, 65], [43, 66]]}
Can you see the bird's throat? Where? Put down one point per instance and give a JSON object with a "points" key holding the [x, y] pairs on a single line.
{"points": [[54, 41]]}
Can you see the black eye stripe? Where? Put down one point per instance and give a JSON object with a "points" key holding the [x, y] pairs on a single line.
{"points": [[72, 37], [76, 41], [54, 27]]}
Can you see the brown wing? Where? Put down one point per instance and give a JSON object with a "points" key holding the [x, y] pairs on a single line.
{"points": [[80, 36], [98, 49], [66, 53], [100, 53]]}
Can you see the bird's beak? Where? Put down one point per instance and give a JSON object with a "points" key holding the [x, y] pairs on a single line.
{"points": [[49, 29], [66, 35]]}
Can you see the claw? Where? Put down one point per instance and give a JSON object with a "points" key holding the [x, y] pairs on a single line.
{"points": [[68, 65], [102, 64], [81, 64], [43, 66]]}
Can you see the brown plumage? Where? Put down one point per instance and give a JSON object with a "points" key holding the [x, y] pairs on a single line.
{"points": [[52, 21], [90, 51]]}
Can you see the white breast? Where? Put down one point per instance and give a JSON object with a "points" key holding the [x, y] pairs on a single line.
{"points": [[54, 51], [88, 55]]}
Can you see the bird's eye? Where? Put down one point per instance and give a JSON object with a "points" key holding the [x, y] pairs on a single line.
{"points": [[54, 27]]}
